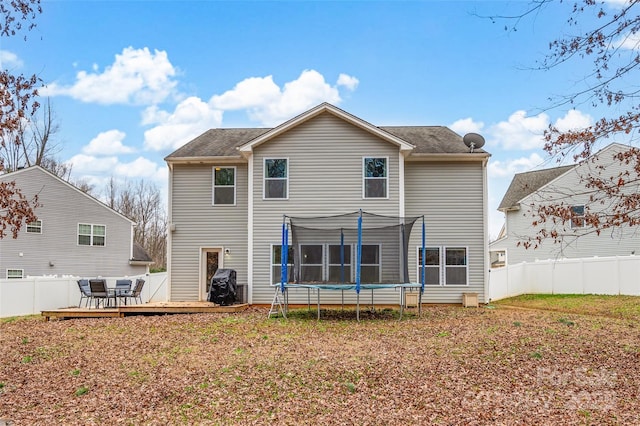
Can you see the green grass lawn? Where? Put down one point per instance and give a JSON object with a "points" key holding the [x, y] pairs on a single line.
{"points": [[626, 307]]}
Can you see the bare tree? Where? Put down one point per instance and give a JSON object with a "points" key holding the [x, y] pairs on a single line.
{"points": [[142, 203], [610, 45], [18, 102]]}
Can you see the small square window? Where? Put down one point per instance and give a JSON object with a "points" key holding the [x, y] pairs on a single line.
{"points": [[34, 227], [91, 235]]}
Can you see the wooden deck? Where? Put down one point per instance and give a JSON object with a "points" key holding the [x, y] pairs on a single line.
{"points": [[158, 308]]}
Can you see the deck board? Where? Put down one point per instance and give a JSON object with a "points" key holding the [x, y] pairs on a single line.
{"points": [[157, 308]]}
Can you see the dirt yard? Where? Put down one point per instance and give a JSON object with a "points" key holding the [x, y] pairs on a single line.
{"points": [[453, 365]]}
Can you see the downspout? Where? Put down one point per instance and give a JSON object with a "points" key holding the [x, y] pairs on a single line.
{"points": [[170, 231], [250, 229], [485, 225]]}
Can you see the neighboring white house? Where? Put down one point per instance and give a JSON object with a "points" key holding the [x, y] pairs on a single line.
{"points": [[229, 190], [562, 185], [75, 234]]}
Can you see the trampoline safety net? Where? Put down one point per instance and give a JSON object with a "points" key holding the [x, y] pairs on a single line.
{"points": [[356, 247]]}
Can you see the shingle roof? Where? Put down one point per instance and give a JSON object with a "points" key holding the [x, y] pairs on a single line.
{"points": [[526, 183], [140, 254], [223, 142]]}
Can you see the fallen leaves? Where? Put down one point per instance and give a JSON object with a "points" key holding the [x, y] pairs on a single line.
{"points": [[451, 366]]}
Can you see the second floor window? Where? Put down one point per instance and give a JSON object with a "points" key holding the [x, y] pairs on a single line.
{"points": [[375, 177], [224, 185], [276, 178], [91, 235], [577, 217], [34, 227]]}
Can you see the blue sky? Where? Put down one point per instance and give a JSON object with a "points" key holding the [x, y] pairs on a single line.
{"points": [[130, 81]]}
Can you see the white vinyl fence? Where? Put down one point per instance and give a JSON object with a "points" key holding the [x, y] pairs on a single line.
{"points": [[35, 294], [618, 275]]}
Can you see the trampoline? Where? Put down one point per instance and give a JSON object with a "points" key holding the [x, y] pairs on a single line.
{"points": [[349, 252]]}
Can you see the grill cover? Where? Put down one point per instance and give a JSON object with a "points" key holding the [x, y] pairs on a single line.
{"points": [[222, 290]]}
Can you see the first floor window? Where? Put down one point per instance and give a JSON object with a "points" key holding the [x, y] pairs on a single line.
{"points": [[311, 263], [34, 227], [370, 264], [91, 235], [276, 264], [432, 272], [577, 217], [340, 263], [15, 273], [444, 266], [375, 177], [276, 178], [224, 185]]}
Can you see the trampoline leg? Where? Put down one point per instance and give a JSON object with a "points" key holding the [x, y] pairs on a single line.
{"points": [[358, 307], [318, 304], [309, 299], [402, 299]]}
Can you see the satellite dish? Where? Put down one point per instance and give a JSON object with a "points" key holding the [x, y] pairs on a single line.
{"points": [[473, 141]]}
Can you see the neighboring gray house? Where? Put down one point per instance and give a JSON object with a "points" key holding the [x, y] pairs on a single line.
{"points": [[553, 186], [225, 210], [75, 234]]}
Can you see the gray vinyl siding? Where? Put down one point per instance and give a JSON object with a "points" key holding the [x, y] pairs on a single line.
{"points": [[450, 196], [62, 209], [325, 178], [200, 224], [621, 241]]}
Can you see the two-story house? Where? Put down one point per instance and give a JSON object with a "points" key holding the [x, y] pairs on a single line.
{"points": [[230, 188], [562, 185], [75, 234]]}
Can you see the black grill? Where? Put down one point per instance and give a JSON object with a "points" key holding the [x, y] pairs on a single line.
{"points": [[223, 287]]}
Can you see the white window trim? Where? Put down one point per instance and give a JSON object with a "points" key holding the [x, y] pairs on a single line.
{"points": [[442, 275], [444, 266], [39, 227], [91, 235], [213, 186], [325, 261], [13, 270], [419, 265], [264, 179], [364, 178], [584, 221]]}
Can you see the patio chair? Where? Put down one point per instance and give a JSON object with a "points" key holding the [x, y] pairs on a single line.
{"points": [[136, 291], [85, 292], [100, 292], [123, 287]]}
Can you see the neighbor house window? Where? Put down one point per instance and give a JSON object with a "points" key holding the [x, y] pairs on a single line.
{"points": [[224, 185], [15, 273], [276, 264], [370, 264], [91, 235], [577, 217], [276, 178], [455, 266], [433, 270], [375, 177], [339, 263], [34, 227]]}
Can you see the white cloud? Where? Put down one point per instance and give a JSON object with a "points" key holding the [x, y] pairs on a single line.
{"points": [[573, 120], [506, 169], [190, 118], [520, 132], [90, 165], [9, 60], [347, 81], [137, 76], [107, 143], [467, 125], [271, 105]]}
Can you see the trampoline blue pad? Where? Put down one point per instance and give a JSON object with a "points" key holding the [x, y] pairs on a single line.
{"points": [[320, 286]]}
